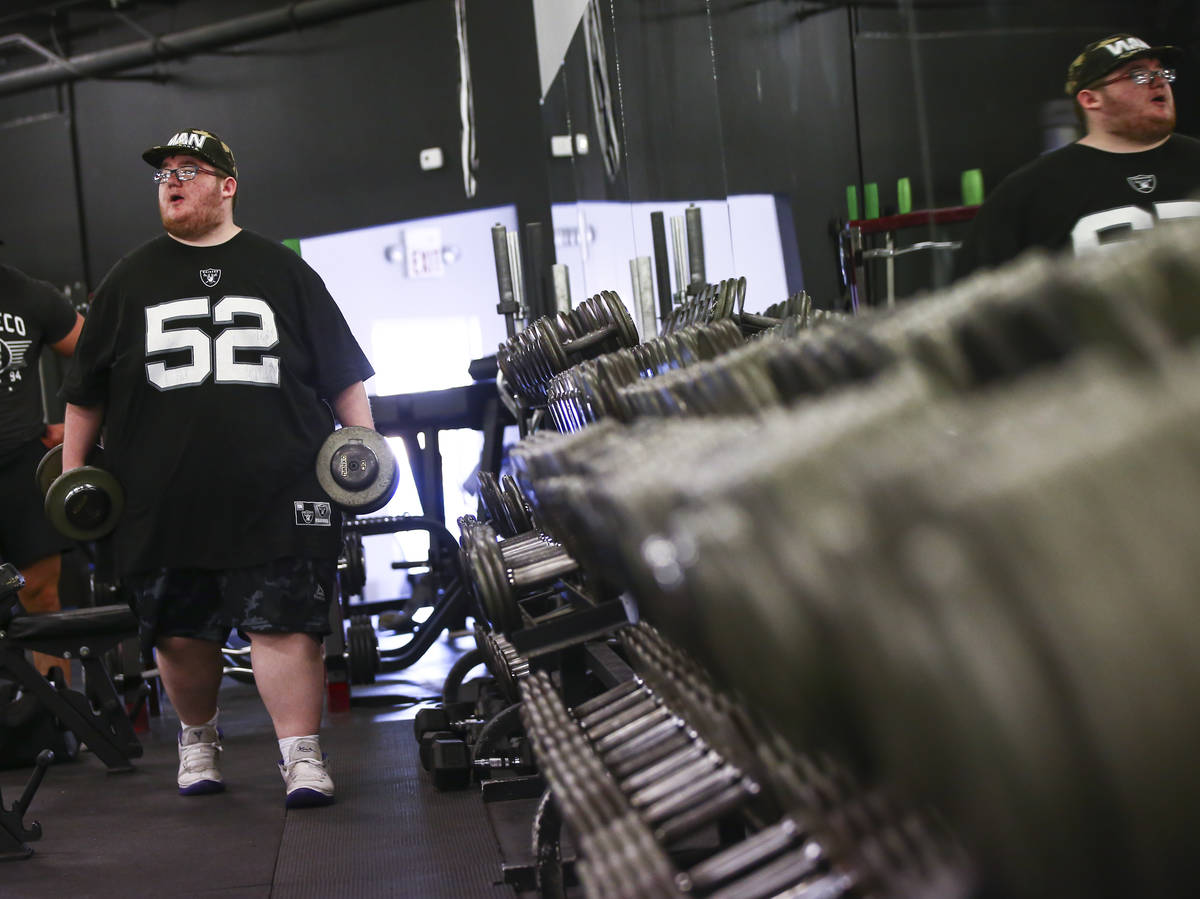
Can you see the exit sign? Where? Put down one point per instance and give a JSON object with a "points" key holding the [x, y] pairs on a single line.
{"points": [[423, 251]]}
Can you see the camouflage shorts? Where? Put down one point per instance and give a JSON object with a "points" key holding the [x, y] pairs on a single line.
{"points": [[283, 596]]}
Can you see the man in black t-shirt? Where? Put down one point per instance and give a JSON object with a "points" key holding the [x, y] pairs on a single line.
{"points": [[33, 315], [1127, 174], [216, 362]]}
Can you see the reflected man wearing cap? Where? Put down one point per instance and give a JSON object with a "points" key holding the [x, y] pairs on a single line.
{"points": [[212, 358], [1126, 174]]}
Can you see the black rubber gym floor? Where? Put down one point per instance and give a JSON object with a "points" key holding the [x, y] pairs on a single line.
{"points": [[389, 833]]}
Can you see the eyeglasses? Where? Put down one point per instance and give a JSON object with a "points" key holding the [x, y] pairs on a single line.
{"points": [[1141, 76], [183, 173]]}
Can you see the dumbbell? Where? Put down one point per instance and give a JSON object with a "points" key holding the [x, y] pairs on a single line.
{"points": [[493, 503], [711, 797], [628, 725], [505, 504], [552, 344], [497, 580], [646, 744], [601, 725], [358, 470], [519, 550], [84, 503], [449, 759], [749, 855], [456, 718], [665, 777], [602, 700]]}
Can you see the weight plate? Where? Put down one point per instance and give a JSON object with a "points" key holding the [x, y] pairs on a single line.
{"points": [[554, 356], [620, 316], [49, 469], [514, 503], [358, 470], [352, 565], [495, 592], [362, 645], [85, 503], [493, 503]]}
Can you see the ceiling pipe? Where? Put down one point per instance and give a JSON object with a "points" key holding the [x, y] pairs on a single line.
{"points": [[185, 43]]}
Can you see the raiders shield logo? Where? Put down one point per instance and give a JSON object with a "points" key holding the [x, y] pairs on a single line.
{"points": [[1143, 184], [313, 514], [210, 276]]}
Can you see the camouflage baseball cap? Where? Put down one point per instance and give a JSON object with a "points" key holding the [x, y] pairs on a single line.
{"points": [[1101, 57], [195, 142]]}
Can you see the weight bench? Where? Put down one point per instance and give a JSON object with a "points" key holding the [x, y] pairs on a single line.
{"points": [[97, 716]]}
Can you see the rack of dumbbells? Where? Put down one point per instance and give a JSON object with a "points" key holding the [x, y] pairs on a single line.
{"points": [[531, 600], [914, 597], [726, 301]]}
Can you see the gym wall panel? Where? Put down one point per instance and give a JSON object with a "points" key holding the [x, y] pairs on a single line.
{"points": [[786, 88], [39, 226], [327, 122]]}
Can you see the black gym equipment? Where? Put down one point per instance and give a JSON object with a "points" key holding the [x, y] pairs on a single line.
{"points": [[97, 716], [13, 831], [353, 652], [419, 418]]}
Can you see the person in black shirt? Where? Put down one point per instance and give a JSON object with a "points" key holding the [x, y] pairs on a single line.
{"points": [[216, 362], [1126, 174], [33, 315]]}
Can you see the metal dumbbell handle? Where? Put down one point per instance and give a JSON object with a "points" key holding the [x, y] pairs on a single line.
{"points": [[700, 789], [762, 322], [633, 711], [743, 857], [671, 732], [530, 551], [779, 874], [588, 340], [634, 729], [707, 810], [520, 541], [618, 705], [540, 572], [677, 780], [656, 771], [584, 709]]}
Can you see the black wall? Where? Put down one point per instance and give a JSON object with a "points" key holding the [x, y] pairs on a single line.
{"points": [[326, 122], [712, 97]]}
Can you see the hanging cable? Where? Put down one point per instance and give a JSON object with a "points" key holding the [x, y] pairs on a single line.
{"points": [[466, 101]]}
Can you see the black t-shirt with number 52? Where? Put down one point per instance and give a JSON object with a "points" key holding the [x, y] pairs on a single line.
{"points": [[216, 367], [1083, 199]]}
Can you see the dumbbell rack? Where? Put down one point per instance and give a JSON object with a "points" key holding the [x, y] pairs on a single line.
{"points": [[648, 780], [853, 255], [572, 638], [666, 787]]}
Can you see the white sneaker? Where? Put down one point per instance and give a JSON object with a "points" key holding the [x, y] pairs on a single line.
{"points": [[199, 748], [306, 777]]}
